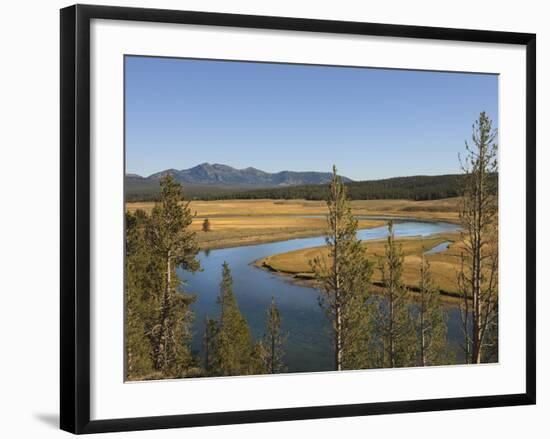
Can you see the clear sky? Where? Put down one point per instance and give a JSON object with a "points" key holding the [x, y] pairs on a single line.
{"points": [[371, 123]]}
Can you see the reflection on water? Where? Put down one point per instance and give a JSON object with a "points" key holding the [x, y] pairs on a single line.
{"points": [[308, 344]]}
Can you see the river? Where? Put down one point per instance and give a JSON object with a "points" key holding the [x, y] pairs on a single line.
{"points": [[308, 344]]}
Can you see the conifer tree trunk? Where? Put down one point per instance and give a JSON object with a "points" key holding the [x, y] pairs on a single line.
{"points": [[422, 313], [161, 347], [391, 335], [337, 302]]}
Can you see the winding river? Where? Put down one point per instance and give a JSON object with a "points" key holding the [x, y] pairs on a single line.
{"points": [[308, 344]]}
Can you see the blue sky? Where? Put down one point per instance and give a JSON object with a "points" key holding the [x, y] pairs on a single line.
{"points": [[371, 123]]}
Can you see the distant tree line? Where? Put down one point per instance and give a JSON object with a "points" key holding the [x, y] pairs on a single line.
{"points": [[410, 188], [143, 189]]}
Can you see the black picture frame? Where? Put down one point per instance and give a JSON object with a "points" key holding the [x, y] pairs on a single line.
{"points": [[75, 217]]}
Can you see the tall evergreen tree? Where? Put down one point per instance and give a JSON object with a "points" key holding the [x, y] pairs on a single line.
{"points": [[431, 320], [344, 277], [210, 337], [393, 322], [141, 279], [173, 243], [274, 340], [232, 347], [478, 278]]}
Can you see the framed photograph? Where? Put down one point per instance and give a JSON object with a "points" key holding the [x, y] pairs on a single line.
{"points": [[268, 218]]}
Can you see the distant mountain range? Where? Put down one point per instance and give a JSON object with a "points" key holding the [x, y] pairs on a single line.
{"points": [[219, 175], [216, 182]]}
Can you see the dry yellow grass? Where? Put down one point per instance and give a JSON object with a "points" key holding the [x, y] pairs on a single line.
{"points": [[445, 209], [444, 265], [236, 231], [244, 222], [246, 207]]}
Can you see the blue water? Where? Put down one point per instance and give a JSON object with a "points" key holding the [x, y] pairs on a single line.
{"points": [[438, 248], [308, 344]]}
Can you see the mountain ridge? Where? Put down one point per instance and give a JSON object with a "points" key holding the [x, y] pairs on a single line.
{"points": [[217, 174]]}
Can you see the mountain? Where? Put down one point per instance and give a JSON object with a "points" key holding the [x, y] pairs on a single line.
{"points": [[250, 183], [218, 175]]}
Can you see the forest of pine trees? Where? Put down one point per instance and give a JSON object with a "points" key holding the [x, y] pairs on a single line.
{"points": [[383, 327]]}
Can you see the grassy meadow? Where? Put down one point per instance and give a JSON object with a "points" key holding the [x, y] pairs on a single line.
{"points": [[246, 222], [444, 265]]}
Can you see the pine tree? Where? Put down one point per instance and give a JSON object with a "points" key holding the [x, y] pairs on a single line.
{"points": [[210, 337], [258, 364], [206, 225], [478, 210], [431, 320], [344, 277], [233, 347], [173, 243], [140, 281], [393, 322], [274, 340]]}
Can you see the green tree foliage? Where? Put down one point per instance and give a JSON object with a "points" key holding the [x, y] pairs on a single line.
{"points": [[206, 227], [173, 245], [142, 279], [274, 340], [431, 321], [210, 348], [228, 343], [158, 318], [393, 323], [478, 278], [234, 339], [343, 279], [412, 188]]}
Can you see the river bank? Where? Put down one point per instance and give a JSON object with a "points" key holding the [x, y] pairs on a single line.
{"points": [[445, 262], [242, 231]]}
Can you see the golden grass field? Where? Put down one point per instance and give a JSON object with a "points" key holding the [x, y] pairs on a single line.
{"points": [[245, 222], [445, 209], [444, 265]]}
